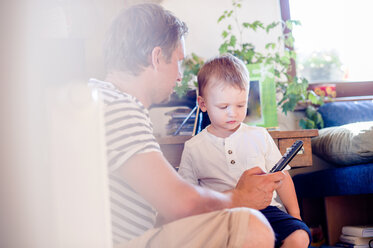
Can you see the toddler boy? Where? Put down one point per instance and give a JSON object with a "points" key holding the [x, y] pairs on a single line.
{"points": [[219, 154]]}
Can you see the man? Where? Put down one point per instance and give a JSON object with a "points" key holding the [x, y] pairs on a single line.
{"points": [[143, 52]]}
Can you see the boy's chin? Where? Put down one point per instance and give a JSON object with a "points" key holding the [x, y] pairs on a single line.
{"points": [[234, 126]]}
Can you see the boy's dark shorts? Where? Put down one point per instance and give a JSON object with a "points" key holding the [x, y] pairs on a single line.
{"points": [[283, 224]]}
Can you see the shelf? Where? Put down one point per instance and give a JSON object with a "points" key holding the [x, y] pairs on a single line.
{"points": [[172, 146]]}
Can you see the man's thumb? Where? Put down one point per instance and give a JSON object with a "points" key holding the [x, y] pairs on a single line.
{"points": [[255, 171]]}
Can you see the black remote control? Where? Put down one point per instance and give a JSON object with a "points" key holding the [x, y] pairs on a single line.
{"points": [[288, 156]]}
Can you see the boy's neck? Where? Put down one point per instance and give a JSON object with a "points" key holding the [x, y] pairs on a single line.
{"points": [[221, 133]]}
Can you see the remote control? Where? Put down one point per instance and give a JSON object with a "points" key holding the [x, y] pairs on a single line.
{"points": [[288, 156]]}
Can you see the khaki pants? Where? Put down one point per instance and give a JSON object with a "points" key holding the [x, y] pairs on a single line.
{"points": [[225, 228]]}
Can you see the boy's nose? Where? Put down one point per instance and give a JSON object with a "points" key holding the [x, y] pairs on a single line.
{"points": [[232, 112]]}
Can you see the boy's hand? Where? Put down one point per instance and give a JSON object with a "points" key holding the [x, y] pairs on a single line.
{"points": [[255, 188]]}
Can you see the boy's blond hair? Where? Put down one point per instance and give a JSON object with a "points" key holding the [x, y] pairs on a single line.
{"points": [[226, 68]]}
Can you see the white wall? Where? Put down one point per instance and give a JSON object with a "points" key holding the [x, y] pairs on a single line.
{"points": [[204, 36], [201, 16]]}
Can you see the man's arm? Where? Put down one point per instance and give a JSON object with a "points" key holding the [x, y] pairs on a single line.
{"points": [[186, 168], [154, 178]]}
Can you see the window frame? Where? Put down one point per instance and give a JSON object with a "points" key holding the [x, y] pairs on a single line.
{"points": [[355, 89]]}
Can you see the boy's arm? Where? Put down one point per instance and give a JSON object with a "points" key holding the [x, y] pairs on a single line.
{"points": [[286, 191], [288, 196], [187, 168]]}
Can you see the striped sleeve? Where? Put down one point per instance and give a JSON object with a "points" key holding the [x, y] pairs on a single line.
{"points": [[128, 132]]}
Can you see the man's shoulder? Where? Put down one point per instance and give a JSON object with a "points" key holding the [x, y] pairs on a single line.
{"points": [[99, 84], [106, 90], [113, 98]]}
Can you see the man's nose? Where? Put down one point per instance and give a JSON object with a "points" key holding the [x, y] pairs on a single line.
{"points": [[179, 76], [179, 73]]}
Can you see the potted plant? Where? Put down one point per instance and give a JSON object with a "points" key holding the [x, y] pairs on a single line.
{"points": [[279, 55]]}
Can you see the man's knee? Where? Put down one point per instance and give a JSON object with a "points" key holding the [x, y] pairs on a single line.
{"points": [[298, 238], [260, 233]]}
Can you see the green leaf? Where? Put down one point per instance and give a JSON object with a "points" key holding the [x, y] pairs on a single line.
{"points": [[307, 124], [313, 118], [289, 24], [290, 103], [319, 121], [270, 45], [289, 41], [314, 98], [258, 24], [224, 34], [248, 56], [271, 26], [292, 54], [233, 41], [285, 60], [255, 25], [310, 111], [302, 124], [182, 88], [223, 48], [295, 22], [196, 58], [221, 18]]}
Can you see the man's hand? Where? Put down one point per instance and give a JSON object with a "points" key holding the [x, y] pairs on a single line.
{"points": [[255, 188]]}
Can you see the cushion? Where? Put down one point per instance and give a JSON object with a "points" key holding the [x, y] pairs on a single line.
{"points": [[341, 113], [344, 145]]}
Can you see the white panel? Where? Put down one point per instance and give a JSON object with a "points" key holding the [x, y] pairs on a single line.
{"points": [[80, 199]]}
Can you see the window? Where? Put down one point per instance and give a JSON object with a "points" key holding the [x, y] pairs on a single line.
{"points": [[334, 42]]}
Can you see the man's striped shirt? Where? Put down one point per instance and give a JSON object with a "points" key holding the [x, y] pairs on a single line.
{"points": [[129, 131]]}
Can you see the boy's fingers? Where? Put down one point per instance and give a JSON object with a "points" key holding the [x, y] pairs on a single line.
{"points": [[277, 176]]}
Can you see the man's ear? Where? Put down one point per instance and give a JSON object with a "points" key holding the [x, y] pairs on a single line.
{"points": [[202, 103], [156, 57]]}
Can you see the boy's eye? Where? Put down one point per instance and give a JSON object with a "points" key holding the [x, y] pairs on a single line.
{"points": [[241, 106], [223, 107]]}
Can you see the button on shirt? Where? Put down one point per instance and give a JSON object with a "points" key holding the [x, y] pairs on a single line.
{"points": [[217, 163]]}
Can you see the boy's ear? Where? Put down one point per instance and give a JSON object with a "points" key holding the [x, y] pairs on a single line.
{"points": [[201, 103], [156, 57]]}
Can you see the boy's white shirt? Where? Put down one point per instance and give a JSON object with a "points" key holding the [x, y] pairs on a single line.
{"points": [[207, 159]]}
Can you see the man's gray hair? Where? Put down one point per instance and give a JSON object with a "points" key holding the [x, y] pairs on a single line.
{"points": [[136, 31]]}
